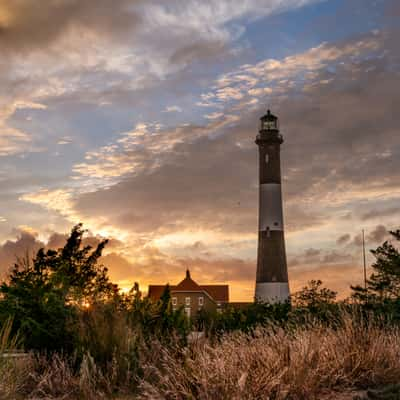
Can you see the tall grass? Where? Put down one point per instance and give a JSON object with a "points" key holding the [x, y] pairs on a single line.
{"points": [[304, 362], [13, 371], [274, 364]]}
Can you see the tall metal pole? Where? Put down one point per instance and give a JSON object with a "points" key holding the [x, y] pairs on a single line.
{"points": [[365, 264]]}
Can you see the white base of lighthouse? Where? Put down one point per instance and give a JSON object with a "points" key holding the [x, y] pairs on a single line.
{"points": [[272, 292]]}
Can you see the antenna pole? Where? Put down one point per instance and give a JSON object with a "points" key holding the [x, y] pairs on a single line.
{"points": [[365, 264]]}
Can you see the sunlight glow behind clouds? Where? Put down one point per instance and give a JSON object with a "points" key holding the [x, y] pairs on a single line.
{"points": [[180, 187]]}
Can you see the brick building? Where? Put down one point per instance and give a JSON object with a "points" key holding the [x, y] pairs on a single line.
{"points": [[194, 297]]}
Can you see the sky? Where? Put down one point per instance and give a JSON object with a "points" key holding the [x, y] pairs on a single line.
{"points": [[138, 119]]}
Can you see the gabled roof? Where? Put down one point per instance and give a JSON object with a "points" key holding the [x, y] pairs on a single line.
{"points": [[155, 291], [188, 284], [219, 293]]}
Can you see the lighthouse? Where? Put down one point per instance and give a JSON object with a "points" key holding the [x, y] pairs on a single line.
{"points": [[272, 277]]}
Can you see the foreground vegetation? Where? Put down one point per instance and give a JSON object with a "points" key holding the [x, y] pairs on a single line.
{"points": [[85, 340], [304, 363]]}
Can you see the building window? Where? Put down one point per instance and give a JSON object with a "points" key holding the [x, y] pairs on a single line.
{"points": [[187, 311], [201, 301], [187, 301], [174, 301], [219, 311], [219, 304]]}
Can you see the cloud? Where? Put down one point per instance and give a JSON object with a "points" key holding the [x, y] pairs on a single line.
{"points": [[156, 267], [173, 109], [13, 140], [59, 200], [392, 9], [65, 140], [338, 277], [120, 269], [336, 257], [214, 115], [312, 252], [343, 239], [372, 237], [25, 245], [205, 166], [57, 240], [299, 218], [24, 26], [166, 188], [151, 265], [155, 182], [273, 76], [151, 39], [200, 50], [320, 258], [379, 213], [69, 51], [378, 234]]}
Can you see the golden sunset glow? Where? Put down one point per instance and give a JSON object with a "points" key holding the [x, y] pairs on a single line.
{"points": [[139, 121]]}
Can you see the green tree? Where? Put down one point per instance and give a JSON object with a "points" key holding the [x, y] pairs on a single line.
{"points": [[44, 296], [37, 308], [383, 284], [317, 302], [314, 296]]}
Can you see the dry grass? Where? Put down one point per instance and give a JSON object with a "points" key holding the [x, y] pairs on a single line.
{"points": [[305, 363], [12, 371]]}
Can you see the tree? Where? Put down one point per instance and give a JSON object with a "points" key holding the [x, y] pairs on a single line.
{"points": [[37, 308], [314, 296], [76, 272], [383, 284], [316, 301], [43, 296]]}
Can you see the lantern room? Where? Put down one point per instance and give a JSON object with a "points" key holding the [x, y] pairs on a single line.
{"points": [[269, 122]]}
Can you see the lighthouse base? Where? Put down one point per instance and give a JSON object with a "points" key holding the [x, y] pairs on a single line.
{"points": [[272, 292]]}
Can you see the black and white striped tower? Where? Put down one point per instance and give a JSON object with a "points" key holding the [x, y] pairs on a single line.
{"points": [[272, 276]]}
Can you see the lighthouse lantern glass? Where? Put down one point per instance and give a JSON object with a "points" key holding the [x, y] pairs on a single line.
{"points": [[269, 124]]}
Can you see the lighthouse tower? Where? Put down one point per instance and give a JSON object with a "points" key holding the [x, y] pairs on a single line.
{"points": [[272, 277]]}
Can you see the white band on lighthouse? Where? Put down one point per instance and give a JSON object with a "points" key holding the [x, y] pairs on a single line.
{"points": [[272, 292], [271, 216]]}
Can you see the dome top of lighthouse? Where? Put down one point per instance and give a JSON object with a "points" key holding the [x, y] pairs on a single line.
{"points": [[269, 116]]}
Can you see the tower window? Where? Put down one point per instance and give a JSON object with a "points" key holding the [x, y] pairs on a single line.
{"points": [[187, 301], [174, 301]]}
